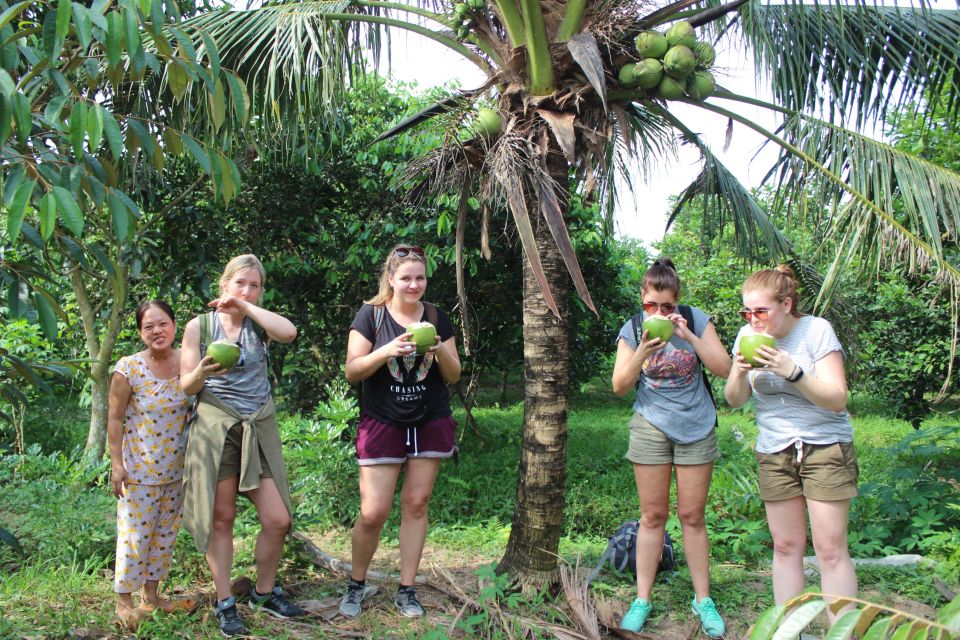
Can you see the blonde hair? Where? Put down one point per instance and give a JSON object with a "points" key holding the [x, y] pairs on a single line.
{"points": [[390, 266], [780, 282], [239, 263]]}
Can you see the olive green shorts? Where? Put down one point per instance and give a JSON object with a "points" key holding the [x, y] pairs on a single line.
{"points": [[825, 472], [649, 445], [232, 452]]}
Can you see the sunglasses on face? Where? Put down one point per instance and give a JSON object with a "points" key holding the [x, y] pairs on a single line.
{"points": [[403, 252], [759, 313], [665, 307]]}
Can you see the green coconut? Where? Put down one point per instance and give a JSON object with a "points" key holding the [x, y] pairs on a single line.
{"points": [[226, 353], [658, 327], [701, 85], [488, 123], [424, 335], [705, 54], [648, 73], [670, 89], [679, 62], [476, 5], [461, 9], [681, 33], [750, 343], [651, 44], [628, 75]]}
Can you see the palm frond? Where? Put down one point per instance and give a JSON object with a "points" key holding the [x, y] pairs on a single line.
{"points": [[729, 202], [856, 59], [296, 59], [886, 206]]}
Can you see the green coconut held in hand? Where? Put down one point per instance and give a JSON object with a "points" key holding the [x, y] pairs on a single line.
{"points": [[658, 327], [750, 343], [424, 335], [225, 353]]}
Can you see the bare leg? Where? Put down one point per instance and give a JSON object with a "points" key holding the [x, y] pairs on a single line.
{"points": [[149, 595], [788, 526], [274, 524], [124, 602], [220, 548], [693, 482], [828, 524], [414, 500], [377, 484], [653, 487]]}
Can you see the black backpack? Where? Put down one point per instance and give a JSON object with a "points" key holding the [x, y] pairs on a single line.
{"points": [[622, 551], [687, 313]]}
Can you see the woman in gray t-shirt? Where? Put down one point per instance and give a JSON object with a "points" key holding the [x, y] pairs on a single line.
{"points": [[805, 444], [234, 446], [672, 431]]}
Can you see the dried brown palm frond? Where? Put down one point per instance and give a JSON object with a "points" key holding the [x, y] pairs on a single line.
{"points": [[577, 592]]}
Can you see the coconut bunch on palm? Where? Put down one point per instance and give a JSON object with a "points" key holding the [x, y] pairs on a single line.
{"points": [[671, 65]]}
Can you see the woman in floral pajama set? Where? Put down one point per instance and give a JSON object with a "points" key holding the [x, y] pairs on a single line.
{"points": [[146, 433]]}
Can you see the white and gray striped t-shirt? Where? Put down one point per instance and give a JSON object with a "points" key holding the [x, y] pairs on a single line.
{"points": [[784, 416]]}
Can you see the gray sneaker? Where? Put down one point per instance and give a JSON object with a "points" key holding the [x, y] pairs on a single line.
{"points": [[407, 602], [354, 595]]}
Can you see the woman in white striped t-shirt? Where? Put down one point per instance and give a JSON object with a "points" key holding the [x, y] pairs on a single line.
{"points": [[808, 464]]}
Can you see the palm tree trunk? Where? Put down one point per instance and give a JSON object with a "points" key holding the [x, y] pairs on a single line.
{"points": [[531, 554]]}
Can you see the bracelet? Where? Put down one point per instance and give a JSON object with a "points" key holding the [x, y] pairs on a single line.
{"points": [[796, 375]]}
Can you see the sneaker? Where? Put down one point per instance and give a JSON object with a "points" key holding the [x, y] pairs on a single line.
{"points": [[710, 620], [231, 624], [407, 602], [355, 594], [637, 616], [275, 603]]}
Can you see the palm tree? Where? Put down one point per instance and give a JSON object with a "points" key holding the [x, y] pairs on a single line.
{"points": [[570, 116]]}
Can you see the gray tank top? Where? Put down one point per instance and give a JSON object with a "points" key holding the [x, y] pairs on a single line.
{"points": [[246, 387]]}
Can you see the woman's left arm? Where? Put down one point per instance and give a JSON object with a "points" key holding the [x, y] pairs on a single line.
{"points": [[445, 353], [278, 328], [828, 390]]}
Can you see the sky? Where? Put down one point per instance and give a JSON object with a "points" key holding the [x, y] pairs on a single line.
{"points": [[642, 215]]}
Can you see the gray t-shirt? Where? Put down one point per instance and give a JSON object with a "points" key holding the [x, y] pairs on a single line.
{"points": [[671, 394], [784, 416], [246, 387]]}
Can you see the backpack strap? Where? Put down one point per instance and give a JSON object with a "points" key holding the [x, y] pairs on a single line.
{"points": [[378, 312], [206, 329], [603, 559], [687, 312]]}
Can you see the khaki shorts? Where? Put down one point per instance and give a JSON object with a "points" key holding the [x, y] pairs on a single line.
{"points": [[649, 445], [824, 472], [232, 452]]}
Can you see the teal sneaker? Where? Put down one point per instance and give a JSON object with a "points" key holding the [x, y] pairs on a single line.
{"points": [[637, 616], [710, 620]]}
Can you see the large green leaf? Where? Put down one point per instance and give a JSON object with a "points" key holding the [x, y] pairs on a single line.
{"points": [[48, 215], [46, 315], [72, 216], [18, 208], [21, 117]]}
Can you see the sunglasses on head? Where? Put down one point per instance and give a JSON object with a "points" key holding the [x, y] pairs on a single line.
{"points": [[665, 307], [403, 252], [759, 313]]}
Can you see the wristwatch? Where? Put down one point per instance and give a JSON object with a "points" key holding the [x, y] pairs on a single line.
{"points": [[796, 375]]}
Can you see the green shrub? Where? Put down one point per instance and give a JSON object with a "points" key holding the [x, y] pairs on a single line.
{"points": [[320, 459]]}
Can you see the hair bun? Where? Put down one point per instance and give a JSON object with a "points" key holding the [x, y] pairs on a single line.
{"points": [[664, 262], [787, 270]]}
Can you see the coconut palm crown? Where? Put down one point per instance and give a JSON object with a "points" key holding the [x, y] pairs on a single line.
{"points": [[580, 90]]}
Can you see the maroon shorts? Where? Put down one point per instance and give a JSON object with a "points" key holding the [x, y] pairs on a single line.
{"points": [[382, 443]]}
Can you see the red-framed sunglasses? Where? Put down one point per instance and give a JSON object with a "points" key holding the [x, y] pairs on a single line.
{"points": [[664, 307], [759, 313], [403, 252]]}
